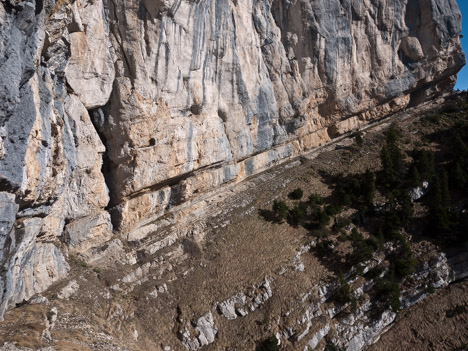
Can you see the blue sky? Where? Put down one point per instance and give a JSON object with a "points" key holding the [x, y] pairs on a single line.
{"points": [[462, 81]]}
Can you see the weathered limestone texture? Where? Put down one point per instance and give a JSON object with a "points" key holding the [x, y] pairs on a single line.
{"points": [[132, 108]]}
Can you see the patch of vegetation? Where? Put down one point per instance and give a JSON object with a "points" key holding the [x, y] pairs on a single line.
{"points": [[388, 291], [270, 344], [344, 294], [359, 140], [391, 157], [444, 167], [315, 200], [296, 194], [296, 216], [404, 261], [362, 251], [331, 346], [280, 209], [458, 310], [324, 247]]}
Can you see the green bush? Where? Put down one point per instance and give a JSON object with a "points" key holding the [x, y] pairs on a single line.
{"points": [[374, 273], [280, 210], [362, 251], [330, 346], [324, 247], [359, 140], [388, 291], [270, 344], [296, 216], [296, 194], [333, 209], [343, 294], [404, 260], [323, 219], [315, 200]]}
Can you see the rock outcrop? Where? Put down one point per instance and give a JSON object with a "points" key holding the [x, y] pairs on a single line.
{"points": [[132, 109]]}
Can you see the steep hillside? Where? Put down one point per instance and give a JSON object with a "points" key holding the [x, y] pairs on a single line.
{"points": [[228, 275]]}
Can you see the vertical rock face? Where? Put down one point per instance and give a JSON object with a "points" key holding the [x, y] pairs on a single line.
{"points": [[51, 154], [182, 97]]}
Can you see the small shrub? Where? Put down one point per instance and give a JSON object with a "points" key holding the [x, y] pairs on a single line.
{"points": [[404, 261], [389, 291], [280, 210], [342, 222], [270, 344], [430, 289], [342, 237], [359, 140], [451, 108], [315, 200], [333, 209], [320, 233], [459, 309], [324, 247], [374, 273], [296, 216], [323, 219], [344, 291], [296, 194], [330, 346]]}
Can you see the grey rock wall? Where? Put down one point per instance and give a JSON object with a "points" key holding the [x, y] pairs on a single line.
{"points": [[132, 108]]}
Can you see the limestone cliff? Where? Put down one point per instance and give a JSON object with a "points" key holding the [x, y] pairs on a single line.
{"points": [[128, 110]]}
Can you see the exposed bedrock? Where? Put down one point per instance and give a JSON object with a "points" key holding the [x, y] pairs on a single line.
{"points": [[132, 108]]}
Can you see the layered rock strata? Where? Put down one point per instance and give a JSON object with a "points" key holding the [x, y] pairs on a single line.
{"points": [[126, 110]]}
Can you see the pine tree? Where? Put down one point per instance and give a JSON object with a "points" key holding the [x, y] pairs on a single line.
{"points": [[344, 293], [458, 176], [406, 208], [281, 210], [438, 211], [415, 177], [424, 161], [445, 190], [460, 149], [296, 216], [387, 164], [381, 238], [391, 157], [369, 186], [271, 344]]}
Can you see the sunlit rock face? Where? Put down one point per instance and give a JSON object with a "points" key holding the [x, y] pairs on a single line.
{"points": [[132, 108]]}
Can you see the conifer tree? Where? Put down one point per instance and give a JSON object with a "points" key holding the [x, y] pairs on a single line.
{"points": [[369, 186], [281, 210], [458, 176], [344, 293], [460, 149], [445, 190], [439, 212], [424, 161], [415, 177], [387, 164]]}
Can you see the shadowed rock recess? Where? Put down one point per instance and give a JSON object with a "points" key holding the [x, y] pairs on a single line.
{"points": [[120, 118]]}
